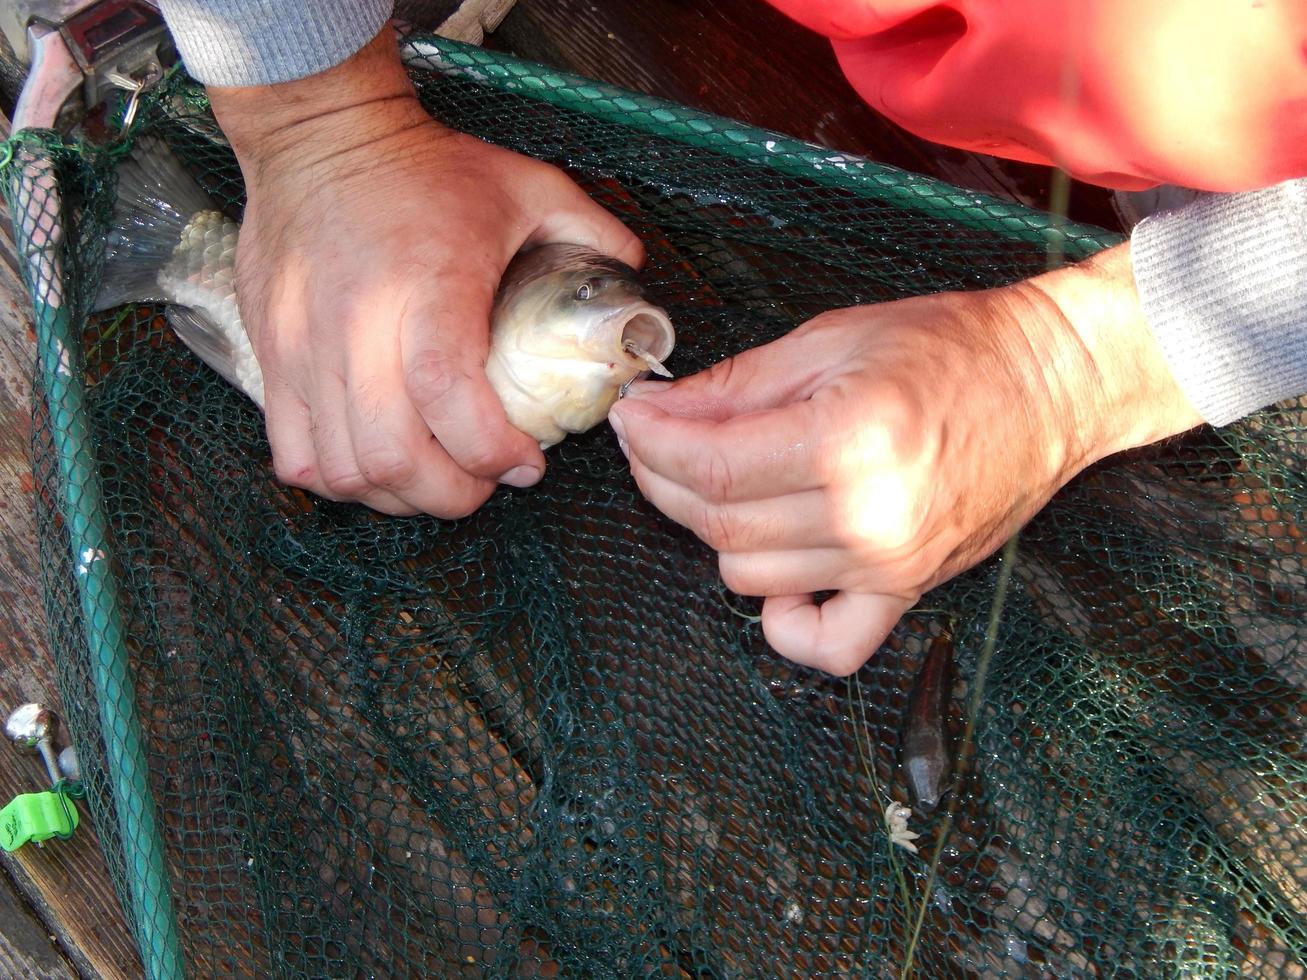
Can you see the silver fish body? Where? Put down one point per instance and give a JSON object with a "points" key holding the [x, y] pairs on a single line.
{"points": [[199, 279], [569, 326]]}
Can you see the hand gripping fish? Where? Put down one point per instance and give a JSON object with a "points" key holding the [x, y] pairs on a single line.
{"points": [[569, 327]]}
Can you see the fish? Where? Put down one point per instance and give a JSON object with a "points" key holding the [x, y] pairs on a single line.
{"points": [[926, 757], [570, 327]]}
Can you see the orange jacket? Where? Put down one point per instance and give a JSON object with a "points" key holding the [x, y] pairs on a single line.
{"points": [[1210, 94]]}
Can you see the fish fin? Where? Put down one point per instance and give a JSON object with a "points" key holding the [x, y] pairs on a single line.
{"points": [[155, 200], [216, 348]]}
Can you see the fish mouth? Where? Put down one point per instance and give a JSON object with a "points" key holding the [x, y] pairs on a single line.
{"points": [[648, 330]]}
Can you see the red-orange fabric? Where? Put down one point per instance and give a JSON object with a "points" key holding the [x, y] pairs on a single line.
{"points": [[1210, 94]]}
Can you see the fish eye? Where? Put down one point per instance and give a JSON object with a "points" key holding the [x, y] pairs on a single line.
{"points": [[584, 291]]}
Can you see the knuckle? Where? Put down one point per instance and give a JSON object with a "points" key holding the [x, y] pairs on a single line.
{"points": [[641, 477], [718, 376], [462, 505], [294, 472], [394, 508], [712, 476], [345, 481], [720, 373], [751, 531], [899, 415], [920, 568], [841, 662], [430, 377], [457, 512], [714, 527], [386, 466], [483, 457], [881, 517]]}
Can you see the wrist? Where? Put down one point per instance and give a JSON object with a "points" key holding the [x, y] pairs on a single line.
{"points": [[360, 102], [1113, 389]]}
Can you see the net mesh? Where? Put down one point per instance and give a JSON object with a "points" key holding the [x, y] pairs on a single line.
{"points": [[542, 741]]}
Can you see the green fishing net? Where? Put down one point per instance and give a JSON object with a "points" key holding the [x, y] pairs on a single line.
{"points": [[542, 741]]}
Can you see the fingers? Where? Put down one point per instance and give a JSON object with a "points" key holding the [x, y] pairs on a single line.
{"points": [[749, 457], [365, 449], [294, 457], [766, 573], [770, 376], [839, 636], [376, 452], [802, 570], [577, 219], [341, 477], [317, 456], [795, 520], [395, 453], [443, 346]]}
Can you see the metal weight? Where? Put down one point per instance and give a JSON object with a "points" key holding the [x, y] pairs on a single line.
{"points": [[34, 726], [69, 767]]}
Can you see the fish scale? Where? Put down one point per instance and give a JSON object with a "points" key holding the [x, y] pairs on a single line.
{"points": [[201, 275]]}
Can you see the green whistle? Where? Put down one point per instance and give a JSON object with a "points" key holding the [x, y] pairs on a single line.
{"points": [[38, 817]]}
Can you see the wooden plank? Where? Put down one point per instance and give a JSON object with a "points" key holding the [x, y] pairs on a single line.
{"points": [[26, 949], [66, 882]]}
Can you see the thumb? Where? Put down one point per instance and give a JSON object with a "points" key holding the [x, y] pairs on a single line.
{"points": [[838, 636], [765, 377], [579, 220]]}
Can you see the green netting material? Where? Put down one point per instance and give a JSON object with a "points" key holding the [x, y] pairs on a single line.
{"points": [[542, 742]]}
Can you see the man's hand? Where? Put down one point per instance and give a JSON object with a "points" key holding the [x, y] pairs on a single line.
{"points": [[880, 450], [372, 246]]}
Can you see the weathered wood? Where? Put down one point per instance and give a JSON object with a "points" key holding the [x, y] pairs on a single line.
{"points": [[26, 948], [88, 926], [474, 19], [65, 882]]}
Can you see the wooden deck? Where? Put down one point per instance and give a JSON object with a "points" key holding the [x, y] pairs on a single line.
{"points": [[59, 916]]}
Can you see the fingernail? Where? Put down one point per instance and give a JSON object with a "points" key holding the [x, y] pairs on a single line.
{"points": [[619, 429], [521, 476], [639, 389]]}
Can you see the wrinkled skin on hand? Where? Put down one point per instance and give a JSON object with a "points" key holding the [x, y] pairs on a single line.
{"points": [[372, 245], [880, 450]]}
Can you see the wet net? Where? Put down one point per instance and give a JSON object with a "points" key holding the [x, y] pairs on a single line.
{"points": [[542, 741]]}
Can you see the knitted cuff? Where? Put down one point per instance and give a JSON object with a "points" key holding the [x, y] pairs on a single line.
{"points": [[262, 42], [1223, 284]]}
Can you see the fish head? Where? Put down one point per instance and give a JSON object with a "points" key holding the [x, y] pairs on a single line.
{"points": [[569, 328], [570, 303]]}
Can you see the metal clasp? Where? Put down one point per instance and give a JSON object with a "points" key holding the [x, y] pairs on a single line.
{"points": [[136, 86], [97, 47]]}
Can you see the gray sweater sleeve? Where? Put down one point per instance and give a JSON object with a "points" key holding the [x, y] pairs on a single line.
{"points": [[1224, 286], [261, 42]]}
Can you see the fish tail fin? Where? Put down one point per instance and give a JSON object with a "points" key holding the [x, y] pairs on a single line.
{"points": [[156, 198]]}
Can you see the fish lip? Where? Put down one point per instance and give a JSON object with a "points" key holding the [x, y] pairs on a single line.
{"points": [[649, 327]]}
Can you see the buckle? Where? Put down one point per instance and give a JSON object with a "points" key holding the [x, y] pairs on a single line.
{"points": [[95, 46]]}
